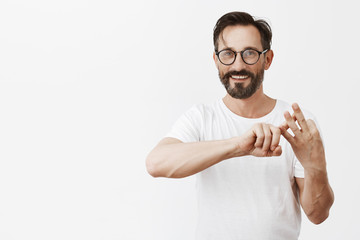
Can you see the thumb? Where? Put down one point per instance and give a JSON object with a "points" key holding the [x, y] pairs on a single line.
{"points": [[277, 151]]}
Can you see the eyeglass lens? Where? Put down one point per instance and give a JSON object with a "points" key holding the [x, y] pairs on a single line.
{"points": [[249, 56]]}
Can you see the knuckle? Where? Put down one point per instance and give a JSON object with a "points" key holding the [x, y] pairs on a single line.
{"points": [[310, 121], [276, 130], [315, 132], [266, 126], [307, 136], [312, 130], [257, 126]]}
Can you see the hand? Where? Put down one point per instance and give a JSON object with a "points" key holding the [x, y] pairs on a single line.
{"points": [[306, 142], [262, 140]]}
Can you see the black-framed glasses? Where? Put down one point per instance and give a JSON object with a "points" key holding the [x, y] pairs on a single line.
{"points": [[249, 56]]}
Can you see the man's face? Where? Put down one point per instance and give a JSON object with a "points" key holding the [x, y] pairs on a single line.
{"points": [[241, 80]]}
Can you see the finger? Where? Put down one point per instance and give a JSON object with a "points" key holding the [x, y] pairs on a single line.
{"points": [[291, 123], [285, 125], [277, 151], [300, 117], [287, 136], [276, 133], [312, 128], [259, 133], [267, 137]]}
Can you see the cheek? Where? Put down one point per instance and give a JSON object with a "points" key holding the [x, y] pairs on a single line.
{"points": [[223, 68], [256, 68], [222, 71]]}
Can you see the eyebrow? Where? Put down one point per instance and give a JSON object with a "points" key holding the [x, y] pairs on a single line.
{"points": [[229, 48]]}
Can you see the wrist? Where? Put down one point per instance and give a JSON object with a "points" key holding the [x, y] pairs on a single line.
{"points": [[237, 149], [315, 171], [316, 178], [314, 164]]}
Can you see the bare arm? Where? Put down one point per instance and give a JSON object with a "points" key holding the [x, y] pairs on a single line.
{"points": [[316, 195], [175, 159]]}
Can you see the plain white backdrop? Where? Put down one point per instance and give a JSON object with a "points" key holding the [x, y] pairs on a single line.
{"points": [[88, 88]]}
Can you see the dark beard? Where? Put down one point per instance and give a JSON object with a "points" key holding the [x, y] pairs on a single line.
{"points": [[239, 91]]}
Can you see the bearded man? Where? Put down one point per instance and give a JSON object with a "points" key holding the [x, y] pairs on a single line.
{"points": [[251, 182]]}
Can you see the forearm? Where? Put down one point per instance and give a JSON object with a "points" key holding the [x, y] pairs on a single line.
{"points": [[317, 197], [179, 160]]}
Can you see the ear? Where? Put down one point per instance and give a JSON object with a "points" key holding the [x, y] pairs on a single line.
{"points": [[269, 55], [216, 60]]}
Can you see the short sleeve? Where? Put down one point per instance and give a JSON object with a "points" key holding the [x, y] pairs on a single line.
{"points": [[187, 128], [298, 168]]}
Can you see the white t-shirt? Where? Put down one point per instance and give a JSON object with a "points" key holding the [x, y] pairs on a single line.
{"points": [[244, 197]]}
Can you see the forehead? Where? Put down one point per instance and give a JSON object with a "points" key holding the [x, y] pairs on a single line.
{"points": [[240, 37]]}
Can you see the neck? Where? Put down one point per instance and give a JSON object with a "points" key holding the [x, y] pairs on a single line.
{"points": [[256, 106]]}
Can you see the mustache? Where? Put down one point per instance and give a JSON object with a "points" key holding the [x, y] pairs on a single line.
{"points": [[242, 72]]}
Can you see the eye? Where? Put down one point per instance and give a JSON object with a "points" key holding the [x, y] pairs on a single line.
{"points": [[227, 53], [250, 53]]}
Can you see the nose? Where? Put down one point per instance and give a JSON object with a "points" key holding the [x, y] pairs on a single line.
{"points": [[239, 63]]}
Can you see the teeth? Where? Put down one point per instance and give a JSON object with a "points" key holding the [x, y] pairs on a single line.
{"points": [[239, 77]]}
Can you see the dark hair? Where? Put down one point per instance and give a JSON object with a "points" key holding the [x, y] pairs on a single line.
{"points": [[245, 19]]}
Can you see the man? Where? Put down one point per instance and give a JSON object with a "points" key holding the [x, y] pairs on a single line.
{"points": [[250, 180]]}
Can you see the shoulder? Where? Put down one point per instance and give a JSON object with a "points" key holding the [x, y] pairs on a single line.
{"points": [[189, 127], [204, 109]]}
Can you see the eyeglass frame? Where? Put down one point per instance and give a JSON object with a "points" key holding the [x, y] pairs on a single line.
{"points": [[241, 54]]}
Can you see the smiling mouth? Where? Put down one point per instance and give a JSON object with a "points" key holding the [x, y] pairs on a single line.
{"points": [[239, 77]]}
